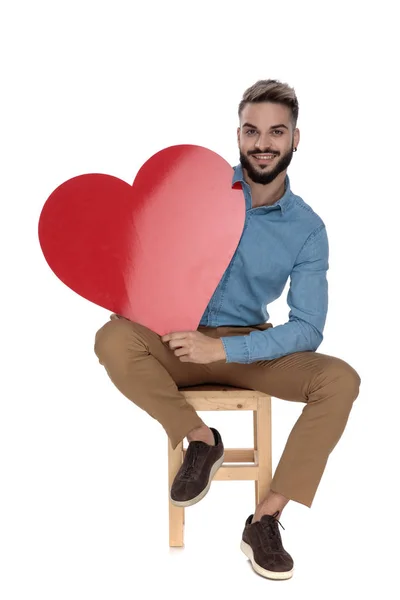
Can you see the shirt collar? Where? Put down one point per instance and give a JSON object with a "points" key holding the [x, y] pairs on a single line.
{"points": [[283, 202]]}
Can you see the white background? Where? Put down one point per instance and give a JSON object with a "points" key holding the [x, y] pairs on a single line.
{"points": [[100, 87]]}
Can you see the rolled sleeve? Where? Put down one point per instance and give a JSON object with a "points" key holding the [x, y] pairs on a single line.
{"points": [[236, 348]]}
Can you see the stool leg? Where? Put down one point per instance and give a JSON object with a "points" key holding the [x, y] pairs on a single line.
{"points": [[256, 451], [263, 443], [176, 513]]}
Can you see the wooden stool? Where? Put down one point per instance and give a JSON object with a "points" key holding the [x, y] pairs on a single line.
{"points": [[216, 397]]}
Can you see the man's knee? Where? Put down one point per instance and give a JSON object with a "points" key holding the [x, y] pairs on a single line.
{"points": [[111, 337], [122, 337], [346, 378]]}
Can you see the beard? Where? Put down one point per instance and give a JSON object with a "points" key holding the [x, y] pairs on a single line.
{"points": [[260, 173]]}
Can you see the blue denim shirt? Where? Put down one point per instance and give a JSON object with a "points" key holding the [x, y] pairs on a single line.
{"points": [[286, 239]]}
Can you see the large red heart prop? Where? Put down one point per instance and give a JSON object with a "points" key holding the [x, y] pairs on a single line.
{"points": [[154, 251]]}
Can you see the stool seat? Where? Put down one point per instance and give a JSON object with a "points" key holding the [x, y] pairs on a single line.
{"points": [[255, 463]]}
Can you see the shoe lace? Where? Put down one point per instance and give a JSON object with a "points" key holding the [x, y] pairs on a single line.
{"points": [[270, 527], [191, 458]]}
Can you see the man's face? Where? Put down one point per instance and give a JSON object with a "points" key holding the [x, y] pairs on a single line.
{"points": [[265, 128]]}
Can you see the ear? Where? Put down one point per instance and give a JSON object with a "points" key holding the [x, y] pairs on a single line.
{"points": [[238, 136], [296, 137]]}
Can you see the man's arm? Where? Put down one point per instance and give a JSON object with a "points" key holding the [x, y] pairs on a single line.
{"points": [[308, 302]]}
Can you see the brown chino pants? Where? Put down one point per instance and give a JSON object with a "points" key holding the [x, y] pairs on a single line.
{"points": [[147, 372]]}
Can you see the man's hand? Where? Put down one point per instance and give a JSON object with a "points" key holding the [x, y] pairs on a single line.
{"points": [[195, 347]]}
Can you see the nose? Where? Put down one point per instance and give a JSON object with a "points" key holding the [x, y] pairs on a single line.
{"points": [[262, 142]]}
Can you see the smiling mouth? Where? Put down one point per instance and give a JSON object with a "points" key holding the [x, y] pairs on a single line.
{"points": [[263, 158]]}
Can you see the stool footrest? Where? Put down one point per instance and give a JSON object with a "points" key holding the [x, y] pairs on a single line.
{"points": [[237, 455], [237, 473]]}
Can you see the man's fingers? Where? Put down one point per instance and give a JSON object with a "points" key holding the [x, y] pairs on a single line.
{"points": [[177, 344], [177, 335], [181, 352]]}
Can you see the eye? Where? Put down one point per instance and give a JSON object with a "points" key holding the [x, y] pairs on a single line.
{"points": [[250, 131], [279, 131]]}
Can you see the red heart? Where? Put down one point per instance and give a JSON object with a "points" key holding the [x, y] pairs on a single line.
{"points": [[153, 252]]}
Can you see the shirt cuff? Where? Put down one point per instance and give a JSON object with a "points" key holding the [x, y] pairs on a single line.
{"points": [[236, 349]]}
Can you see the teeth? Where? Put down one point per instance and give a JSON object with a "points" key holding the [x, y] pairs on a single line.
{"points": [[265, 156]]}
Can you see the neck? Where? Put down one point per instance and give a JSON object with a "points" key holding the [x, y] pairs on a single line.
{"points": [[268, 194]]}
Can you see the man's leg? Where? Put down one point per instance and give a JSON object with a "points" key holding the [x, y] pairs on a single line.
{"points": [[148, 373], [327, 385]]}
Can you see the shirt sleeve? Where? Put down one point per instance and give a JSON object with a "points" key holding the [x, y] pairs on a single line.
{"points": [[308, 302]]}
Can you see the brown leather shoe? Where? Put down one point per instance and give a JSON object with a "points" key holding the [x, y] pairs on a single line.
{"points": [[199, 466], [262, 544]]}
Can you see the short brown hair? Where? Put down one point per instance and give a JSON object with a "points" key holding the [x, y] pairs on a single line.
{"points": [[272, 90]]}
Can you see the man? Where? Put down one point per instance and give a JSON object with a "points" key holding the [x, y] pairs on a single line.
{"points": [[235, 345]]}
